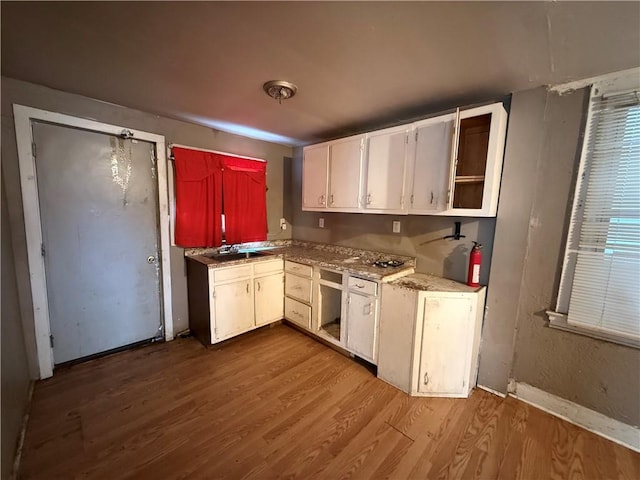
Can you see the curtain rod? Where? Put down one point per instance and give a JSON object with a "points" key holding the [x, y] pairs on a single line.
{"points": [[171, 145]]}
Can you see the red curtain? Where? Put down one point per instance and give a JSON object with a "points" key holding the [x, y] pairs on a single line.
{"points": [[245, 199], [198, 198]]}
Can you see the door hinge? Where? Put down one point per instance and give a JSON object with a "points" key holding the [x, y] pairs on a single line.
{"points": [[33, 149], [51, 340], [43, 252]]}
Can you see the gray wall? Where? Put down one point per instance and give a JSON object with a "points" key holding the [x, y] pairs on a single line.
{"points": [[15, 369], [421, 235], [15, 91], [541, 160]]}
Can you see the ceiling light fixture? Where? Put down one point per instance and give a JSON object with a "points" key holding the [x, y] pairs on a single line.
{"points": [[280, 89]]}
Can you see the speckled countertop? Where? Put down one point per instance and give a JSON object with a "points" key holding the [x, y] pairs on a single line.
{"points": [[355, 261], [432, 283]]}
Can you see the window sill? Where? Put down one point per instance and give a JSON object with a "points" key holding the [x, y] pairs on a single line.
{"points": [[559, 321]]}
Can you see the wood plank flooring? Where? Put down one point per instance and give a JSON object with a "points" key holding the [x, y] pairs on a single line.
{"points": [[277, 404]]}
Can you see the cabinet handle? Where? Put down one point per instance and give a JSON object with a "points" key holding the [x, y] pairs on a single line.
{"points": [[367, 310], [369, 199], [321, 200], [258, 286], [247, 287], [426, 378], [431, 198], [331, 199], [358, 285]]}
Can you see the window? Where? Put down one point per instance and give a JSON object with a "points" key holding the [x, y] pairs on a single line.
{"points": [[219, 198], [600, 285]]}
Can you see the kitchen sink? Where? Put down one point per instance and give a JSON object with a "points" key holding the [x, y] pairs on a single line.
{"points": [[229, 257]]}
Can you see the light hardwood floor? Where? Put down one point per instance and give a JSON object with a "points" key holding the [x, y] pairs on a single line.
{"points": [[277, 404]]}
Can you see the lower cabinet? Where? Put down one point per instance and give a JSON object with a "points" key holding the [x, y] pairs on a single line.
{"points": [[232, 306], [297, 302], [268, 293], [337, 307], [362, 318], [429, 340], [227, 301]]}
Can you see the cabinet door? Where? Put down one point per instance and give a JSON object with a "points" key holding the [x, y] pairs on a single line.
{"points": [[233, 308], [386, 159], [478, 165], [361, 325], [345, 173], [432, 157], [269, 298], [314, 177], [444, 355]]}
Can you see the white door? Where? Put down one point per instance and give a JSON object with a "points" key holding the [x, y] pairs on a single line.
{"points": [[361, 325], [269, 298], [314, 177], [386, 159], [432, 157], [345, 173], [233, 308], [99, 217], [444, 356]]}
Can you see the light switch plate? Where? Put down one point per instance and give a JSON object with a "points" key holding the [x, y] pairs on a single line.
{"points": [[396, 226], [321, 222]]}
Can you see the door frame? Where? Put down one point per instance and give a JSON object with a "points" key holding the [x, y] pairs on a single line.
{"points": [[23, 117]]}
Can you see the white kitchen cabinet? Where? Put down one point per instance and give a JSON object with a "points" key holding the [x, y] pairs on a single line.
{"points": [[476, 166], [386, 157], [345, 173], [315, 164], [430, 163], [298, 293], [362, 316], [230, 300], [233, 308], [446, 165], [429, 339], [269, 298], [332, 175]]}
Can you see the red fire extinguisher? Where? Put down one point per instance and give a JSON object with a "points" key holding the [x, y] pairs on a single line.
{"points": [[475, 259]]}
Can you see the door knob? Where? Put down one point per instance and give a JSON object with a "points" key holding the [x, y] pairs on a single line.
{"points": [[151, 259]]}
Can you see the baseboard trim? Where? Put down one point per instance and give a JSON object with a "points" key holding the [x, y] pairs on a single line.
{"points": [[614, 430], [491, 390], [23, 429]]}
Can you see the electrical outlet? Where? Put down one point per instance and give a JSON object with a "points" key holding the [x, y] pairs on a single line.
{"points": [[283, 224], [321, 222], [396, 226]]}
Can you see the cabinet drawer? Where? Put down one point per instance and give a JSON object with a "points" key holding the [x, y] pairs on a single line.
{"points": [[298, 287], [297, 312], [298, 269], [363, 286], [224, 274], [270, 266]]}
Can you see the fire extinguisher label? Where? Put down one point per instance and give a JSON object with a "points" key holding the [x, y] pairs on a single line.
{"points": [[475, 278]]}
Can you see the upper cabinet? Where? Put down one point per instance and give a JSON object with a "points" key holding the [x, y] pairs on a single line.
{"points": [[332, 175], [476, 164], [385, 178], [430, 162], [446, 165], [315, 169]]}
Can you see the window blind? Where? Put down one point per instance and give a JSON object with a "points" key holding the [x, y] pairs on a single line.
{"points": [[604, 237]]}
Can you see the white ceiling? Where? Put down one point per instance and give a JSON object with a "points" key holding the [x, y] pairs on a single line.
{"points": [[357, 65]]}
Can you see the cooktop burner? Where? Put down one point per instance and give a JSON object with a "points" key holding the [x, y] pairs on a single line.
{"points": [[388, 263]]}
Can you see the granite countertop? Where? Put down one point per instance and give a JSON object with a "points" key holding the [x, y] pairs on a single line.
{"points": [[354, 261], [432, 283]]}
